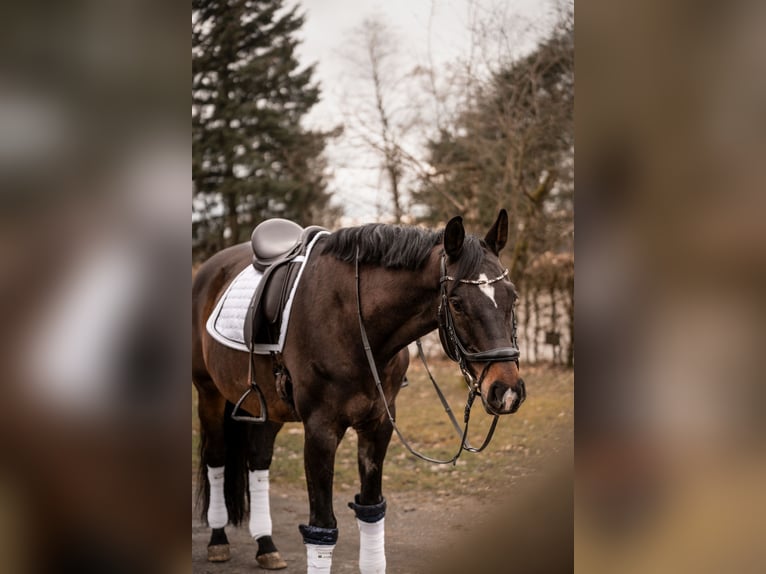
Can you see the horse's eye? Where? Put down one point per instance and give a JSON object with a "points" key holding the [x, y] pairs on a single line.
{"points": [[457, 305]]}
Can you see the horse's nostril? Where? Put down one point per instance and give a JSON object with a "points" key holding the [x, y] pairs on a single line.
{"points": [[522, 389]]}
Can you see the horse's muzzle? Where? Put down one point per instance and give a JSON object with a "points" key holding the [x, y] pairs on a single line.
{"points": [[503, 399]]}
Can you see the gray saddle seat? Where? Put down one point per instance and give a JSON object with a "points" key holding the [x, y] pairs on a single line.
{"points": [[276, 243], [274, 239]]}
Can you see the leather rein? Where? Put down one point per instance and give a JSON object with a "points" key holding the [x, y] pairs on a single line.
{"points": [[457, 352]]}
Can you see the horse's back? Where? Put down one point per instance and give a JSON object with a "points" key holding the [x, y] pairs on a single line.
{"points": [[217, 272], [208, 284]]}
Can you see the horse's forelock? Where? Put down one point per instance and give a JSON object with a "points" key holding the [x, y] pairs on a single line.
{"points": [[469, 262]]}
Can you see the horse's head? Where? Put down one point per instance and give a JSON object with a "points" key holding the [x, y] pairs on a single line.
{"points": [[476, 314]]}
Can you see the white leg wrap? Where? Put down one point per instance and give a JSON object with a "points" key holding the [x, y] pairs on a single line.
{"points": [[318, 558], [217, 517], [260, 510], [372, 552]]}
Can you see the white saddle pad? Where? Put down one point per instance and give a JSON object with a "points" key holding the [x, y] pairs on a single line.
{"points": [[226, 323]]}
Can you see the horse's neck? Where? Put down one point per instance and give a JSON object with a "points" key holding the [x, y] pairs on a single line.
{"points": [[401, 305]]}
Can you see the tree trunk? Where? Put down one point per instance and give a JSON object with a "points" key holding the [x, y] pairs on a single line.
{"points": [[232, 221], [393, 175], [570, 310]]}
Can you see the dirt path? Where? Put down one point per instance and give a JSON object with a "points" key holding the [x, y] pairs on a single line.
{"points": [[417, 530]]}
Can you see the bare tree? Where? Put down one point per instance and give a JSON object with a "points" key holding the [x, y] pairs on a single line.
{"points": [[381, 115]]}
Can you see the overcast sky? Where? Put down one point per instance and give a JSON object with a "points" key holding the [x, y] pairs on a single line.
{"points": [[441, 25]]}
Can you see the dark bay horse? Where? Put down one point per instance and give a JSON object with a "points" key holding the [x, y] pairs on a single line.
{"points": [[408, 279]]}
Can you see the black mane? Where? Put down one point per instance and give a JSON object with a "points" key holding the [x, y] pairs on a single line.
{"points": [[398, 247]]}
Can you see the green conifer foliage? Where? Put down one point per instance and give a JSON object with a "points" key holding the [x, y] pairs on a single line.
{"points": [[252, 157]]}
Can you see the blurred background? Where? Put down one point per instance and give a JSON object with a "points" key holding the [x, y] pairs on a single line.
{"points": [[670, 283], [94, 188]]}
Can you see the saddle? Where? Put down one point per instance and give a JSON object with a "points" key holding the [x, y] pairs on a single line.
{"points": [[277, 245]]}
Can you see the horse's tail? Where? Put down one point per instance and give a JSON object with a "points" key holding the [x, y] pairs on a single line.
{"points": [[235, 489]]}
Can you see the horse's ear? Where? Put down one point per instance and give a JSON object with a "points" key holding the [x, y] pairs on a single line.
{"points": [[454, 234], [498, 235]]}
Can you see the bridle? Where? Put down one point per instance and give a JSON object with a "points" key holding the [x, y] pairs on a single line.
{"points": [[457, 352], [450, 340]]}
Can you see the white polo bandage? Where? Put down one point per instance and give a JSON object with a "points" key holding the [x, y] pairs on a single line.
{"points": [[319, 558], [372, 552], [217, 517], [260, 510]]}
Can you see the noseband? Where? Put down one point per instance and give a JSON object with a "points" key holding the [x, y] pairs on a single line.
{"points": [[451, 342]]}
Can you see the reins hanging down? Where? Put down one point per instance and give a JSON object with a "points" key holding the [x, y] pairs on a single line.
{"points": [[456, 352], [469, 403]]}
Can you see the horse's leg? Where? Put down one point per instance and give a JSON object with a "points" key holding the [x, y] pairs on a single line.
{"points": [[211, 409], [369, 505], [321, 534], [259, 461]]}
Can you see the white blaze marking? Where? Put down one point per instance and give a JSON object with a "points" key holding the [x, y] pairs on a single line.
{"points": [[487, 289]]}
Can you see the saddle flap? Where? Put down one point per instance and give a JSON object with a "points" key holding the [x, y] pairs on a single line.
{"points": [[264, 315], [275, 295]]}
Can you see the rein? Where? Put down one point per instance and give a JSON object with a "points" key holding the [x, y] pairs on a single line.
{"points": [[457, 352]]}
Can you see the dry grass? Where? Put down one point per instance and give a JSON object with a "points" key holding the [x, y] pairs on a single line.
{"points": [[541, 428]]}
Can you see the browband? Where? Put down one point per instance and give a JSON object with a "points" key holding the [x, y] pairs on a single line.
{"points": [[476, 281]]}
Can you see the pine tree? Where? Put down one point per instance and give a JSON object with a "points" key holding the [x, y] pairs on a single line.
{"points": [[252, 159]]}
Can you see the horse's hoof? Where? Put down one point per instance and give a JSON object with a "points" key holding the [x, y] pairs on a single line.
{"points": [[218, 553], [271, 561]]}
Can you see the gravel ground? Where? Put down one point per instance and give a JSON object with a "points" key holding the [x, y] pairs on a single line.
{"points": [[416, 532]]}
